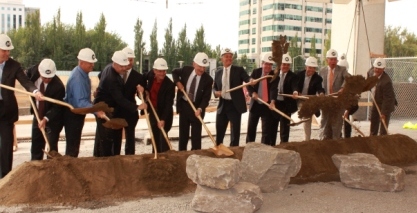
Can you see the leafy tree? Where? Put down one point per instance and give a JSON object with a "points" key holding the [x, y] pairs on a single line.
{"points": [[294, 51], [153, 54], [183, 47], [99, 38], [327, 45], [80, 33], [139, 43], [313, 51], [169, 49], [399, 42]]}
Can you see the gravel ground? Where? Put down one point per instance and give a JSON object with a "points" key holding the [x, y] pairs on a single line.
{"points": [[312, 197]]}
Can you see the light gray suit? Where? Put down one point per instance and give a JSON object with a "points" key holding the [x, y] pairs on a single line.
{"points": [[332, 128]]}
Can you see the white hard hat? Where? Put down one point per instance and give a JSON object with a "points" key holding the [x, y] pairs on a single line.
{"points": [[47, 68], [226, 50], [87, 55], [331, 53], [129, 52], [120, 58], [311, 62], [286, 59], [343, 63], [160, 64], [267, 58], [5, 42], [379, 63], [201, 59]]}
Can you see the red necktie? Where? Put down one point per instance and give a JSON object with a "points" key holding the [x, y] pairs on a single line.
{"points": [[41, 104], [265, 90]]}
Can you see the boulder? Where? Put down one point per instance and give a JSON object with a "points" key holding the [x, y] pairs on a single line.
{"points": [[219, 173], [243, 197], [269, 168], [365, 171]]}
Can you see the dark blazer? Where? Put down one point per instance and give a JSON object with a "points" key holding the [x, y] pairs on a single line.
{"points": [[384, 94], [166, 97], [13, 71], [203, 95], [290, 85], [110, 90], [55, 90], [130, 91], [257, 73], [315, 86], [237, 76]]}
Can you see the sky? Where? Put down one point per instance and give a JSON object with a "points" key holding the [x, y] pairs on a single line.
{"points": [[220, 18]]}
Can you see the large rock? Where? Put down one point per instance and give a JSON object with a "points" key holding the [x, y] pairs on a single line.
{"points": [[365, 171], [219, 173], [243, 197], [269, 168]]}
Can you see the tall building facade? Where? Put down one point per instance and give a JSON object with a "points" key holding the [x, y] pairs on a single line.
{"points": [[13, 14], [262, 21]]}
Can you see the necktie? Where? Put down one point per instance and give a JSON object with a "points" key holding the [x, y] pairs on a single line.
{"points": [[124, 77], [331, 79], [191, 91], [225, 84], [41, 104], [265, 90], [281, 86]]}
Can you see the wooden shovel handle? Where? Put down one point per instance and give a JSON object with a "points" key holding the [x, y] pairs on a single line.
{"points": [[35, 110], [299, 96], [199, 117], [158, 120], [247, 84], [278, 111], [379, 112], [354, 126], [149, 128], [33, 95]]}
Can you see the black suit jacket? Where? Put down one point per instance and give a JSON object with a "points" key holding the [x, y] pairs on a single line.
{"points": [[165, 98], [130, 91], [257, 73], [55, 90], [290, 85], [203, 95], [315, 86], [236, 77], [110, 90], [13, 71]]}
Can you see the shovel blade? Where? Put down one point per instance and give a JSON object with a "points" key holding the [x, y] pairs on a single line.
{"points": [[221, 150], [299, 122], [100, 106], [115, 123]]}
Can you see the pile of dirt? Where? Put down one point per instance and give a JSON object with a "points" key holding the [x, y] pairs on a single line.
{"points": [[74, 181]]}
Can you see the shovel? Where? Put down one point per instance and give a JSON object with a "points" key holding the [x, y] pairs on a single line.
{"points": [[48, 147], [379, 112], [354, 126], [95, 108], [149, 128], [217, 150], [249, 83], [114, 123], [284, 115], [157, 119]]}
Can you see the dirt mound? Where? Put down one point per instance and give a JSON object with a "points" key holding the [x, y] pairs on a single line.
{"points": [[74, 181]]}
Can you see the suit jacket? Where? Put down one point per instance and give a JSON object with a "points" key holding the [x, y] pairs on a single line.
{"points": [[257, 73], [340, 73], [236, 77], [55, 90], [130, 91], [13, 71], [203, 95], [290, 85], [314, 87], [110, 90], [165, 98], [384, 94]]}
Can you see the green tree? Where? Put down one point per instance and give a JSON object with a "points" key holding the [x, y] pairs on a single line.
{"points": [[153, 54], [313, 51], [295, 53], [139, 43], [184, 47], [169, 50], [80, 33], [327, 45], [99, 38], [399, 42]]}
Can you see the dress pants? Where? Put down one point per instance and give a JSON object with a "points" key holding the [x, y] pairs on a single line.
{"points": [[74, 124], [376, 123], [284, 123], [259, 111], [52, 131], [132, 121], [228, 113], [160, 142], [187, 119], [107, 140], [6, 146], [331, 124]]}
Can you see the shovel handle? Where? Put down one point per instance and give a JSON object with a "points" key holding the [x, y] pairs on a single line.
{"points": [[249, 83], [354, 126], [278, 111], [35, 110], [379, 112], [33, 95], [199, 117], [299, 96], [157, 119], [149, 128]]}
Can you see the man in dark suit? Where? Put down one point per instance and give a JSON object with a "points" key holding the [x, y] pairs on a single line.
{"points": [[286, 83], [198, 86], [131, 79], [384, 98], [232, 104], [309, 83], [10, 71], [50, 114], [111, 92], [258, 110], [161, 93]]}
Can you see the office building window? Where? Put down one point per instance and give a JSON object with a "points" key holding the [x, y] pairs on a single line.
{"points": [[253, 20], [243, 3], [254, 11], [253, 31], [244, 12], [244, 41], [253, 40], [8, 21], [253, 50], [244, 22], [243, 32], [20, 21], [266, 49], [243, 51], [314, 9], [14, 21]]}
